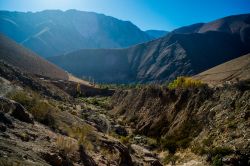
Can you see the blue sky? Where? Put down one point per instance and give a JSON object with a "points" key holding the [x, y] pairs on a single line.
{"points": [[146, 14]]}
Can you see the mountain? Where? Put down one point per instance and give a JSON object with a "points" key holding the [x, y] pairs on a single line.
{"points": [[236, 25], [54, 32], [235, 70], [18, 56], [156, 33], [187, 51]]}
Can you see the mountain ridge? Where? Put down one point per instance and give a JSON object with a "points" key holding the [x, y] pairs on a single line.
{"points": [[55, 32], [164, 59]]}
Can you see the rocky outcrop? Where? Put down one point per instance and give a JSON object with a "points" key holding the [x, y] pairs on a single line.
{"points": [[124, 155], [85, 158], [14, 109]]}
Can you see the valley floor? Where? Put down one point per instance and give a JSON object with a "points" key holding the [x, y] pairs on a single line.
{"points": [[144, 125]]}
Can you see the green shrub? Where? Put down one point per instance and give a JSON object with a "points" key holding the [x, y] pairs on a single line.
{"points": [[152, 142], [185, 82], [169, 144], [222, 151], [232, 125], [198, 149], [208, 141], [170, 158], [103, 102], [124, 140], [217, 161]]}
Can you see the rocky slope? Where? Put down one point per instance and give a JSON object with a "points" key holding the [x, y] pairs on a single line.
{"points": [[15, 54], [54, 32], [186, 51], [211, 122], [51, 122]]}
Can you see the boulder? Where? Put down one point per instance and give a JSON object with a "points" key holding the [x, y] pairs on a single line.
{"points": [[15, 110], [52, 159], [120, 130], [85, 158], [156, 163]]}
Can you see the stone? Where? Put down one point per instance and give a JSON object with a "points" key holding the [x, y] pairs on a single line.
{"points": [[120, 130], [53, 159], [20, 113], [15, 110]]}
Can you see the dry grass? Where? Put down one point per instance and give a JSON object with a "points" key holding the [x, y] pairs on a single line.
{"points": [[66, 144], [82, 133]]}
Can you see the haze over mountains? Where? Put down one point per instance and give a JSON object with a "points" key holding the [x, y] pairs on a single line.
{"points": [[54, 32], [156, 33], [186, 51]]}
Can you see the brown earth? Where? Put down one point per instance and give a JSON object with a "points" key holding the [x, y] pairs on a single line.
{"points": [[232, 71]]}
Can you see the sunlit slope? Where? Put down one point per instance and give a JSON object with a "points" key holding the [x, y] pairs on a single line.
{"points": [[18, 56]]}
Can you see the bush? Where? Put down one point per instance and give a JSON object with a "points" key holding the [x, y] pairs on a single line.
{"points": [[169, 144], [198, 149], [103, 102], [222, 151], [152, 142], [124, 140], [217, 161], [208, 141], [170, 158], [185, 82], [66, 144], [81, 133], [42, 112], [23, 98]]}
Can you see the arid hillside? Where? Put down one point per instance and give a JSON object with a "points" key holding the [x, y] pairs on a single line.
{"points": [[18, 56], [212, 123], [232, 71]]}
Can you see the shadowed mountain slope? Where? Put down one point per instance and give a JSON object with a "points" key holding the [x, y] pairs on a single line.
{"points": [[54, 32], [26, 60]]}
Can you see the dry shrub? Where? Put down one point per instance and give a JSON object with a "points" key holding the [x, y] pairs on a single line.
{"points": [[41, 110], [82, 134], [68, 145]]}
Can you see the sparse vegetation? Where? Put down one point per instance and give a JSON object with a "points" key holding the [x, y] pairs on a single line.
{"points": [[122, 86], [124, 140], [215, 153], [103, 102], [170, 158], [82, 134], [66, 144], [185, 82], [41, 110]]}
